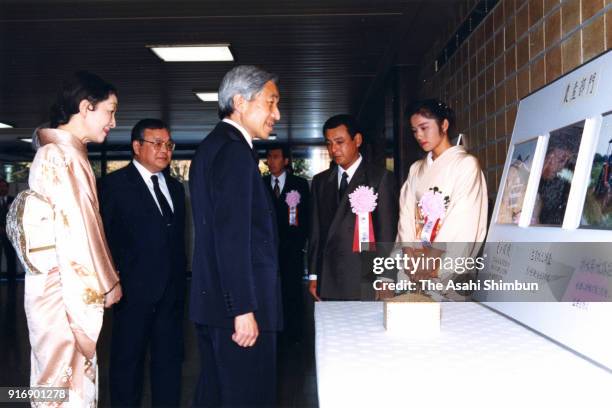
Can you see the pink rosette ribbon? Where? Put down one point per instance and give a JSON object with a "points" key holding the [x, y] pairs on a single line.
{"points": [[292, 199], [433, 206], [363, 203]]}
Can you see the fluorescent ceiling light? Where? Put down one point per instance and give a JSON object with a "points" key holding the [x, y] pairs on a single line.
{"points": [[191, 53], [26, 139], [271, 137], [5, 126], [208, 96]]}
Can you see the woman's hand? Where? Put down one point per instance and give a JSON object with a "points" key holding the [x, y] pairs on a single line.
{"points": [[113, 296]]}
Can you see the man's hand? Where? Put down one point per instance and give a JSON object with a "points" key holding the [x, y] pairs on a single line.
{"points": [[384, 294], [113, 296], [245, 330], [312, 288]]}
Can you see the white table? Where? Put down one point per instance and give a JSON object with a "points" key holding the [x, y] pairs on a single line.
{"points": [[480, 359]]}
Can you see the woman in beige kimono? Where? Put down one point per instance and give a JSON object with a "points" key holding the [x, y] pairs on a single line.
{"points": [[444, 199], [57, 231]]}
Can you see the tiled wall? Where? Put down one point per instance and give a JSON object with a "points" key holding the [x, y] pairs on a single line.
{"points": [[519, 47]]}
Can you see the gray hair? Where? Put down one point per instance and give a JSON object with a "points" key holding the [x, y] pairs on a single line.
{"points": [[245, 80]]}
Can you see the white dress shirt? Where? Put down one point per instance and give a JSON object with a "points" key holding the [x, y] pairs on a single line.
{"points": [[281, 180], [242, 130], [146, 176], [350, 171]]}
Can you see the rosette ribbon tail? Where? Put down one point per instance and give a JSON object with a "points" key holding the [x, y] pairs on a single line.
{"points": [[363, 237], [430, 229], [293, 216]]}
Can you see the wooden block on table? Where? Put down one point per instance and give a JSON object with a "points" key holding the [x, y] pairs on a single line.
{"points": [[412, 315]]}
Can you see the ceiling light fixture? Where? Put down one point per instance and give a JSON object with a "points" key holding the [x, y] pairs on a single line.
{"points": [[272, 136], [208, 96], [193, 53]]}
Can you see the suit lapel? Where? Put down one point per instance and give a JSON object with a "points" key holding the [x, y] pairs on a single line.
{"points": [[359, 178], [329, 196], [235, 134], [174, 192], [143, 191], [267, 181], [288, 185]]}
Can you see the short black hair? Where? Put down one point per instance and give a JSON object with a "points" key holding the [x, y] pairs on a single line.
{"points": [[434, 109], [279, 146], [82, 85], [139, 128], [351, 123]]}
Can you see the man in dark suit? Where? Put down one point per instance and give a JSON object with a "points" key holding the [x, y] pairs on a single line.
{"points": [[293, 227], [337, 270], [235, 289], [5, 244], [143, 209]]}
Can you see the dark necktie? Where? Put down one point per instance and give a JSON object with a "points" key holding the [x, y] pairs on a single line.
{"points": [[276, 188], [343, 186], [161, 199]]}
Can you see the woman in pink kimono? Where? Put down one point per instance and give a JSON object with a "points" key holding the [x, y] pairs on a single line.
{"points": [[56, 229], [444, 199]]}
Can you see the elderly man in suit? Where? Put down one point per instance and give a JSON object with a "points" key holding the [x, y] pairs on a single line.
{"points": [[339, 267], [143, 209], [5, 244], [235, 289], [290, 195]]}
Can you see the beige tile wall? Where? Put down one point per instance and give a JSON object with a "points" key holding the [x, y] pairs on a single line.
{"points": [[521, 46]]}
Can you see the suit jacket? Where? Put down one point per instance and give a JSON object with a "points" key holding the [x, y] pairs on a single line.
{"points": [[235, 265], [148, 255], [342, 273], [292, 238], [4, 211]]}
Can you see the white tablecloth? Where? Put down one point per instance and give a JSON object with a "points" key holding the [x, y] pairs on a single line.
{"points": [[480, 359]]}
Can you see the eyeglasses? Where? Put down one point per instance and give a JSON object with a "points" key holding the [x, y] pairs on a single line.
{"points": [[157, 145]]}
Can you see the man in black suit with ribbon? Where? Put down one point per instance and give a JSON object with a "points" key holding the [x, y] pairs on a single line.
{"points": [[235, 289], [143, 209], [339, 261], [5, 244], [293, 220]]}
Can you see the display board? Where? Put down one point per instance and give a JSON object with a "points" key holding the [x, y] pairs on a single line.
{"points": [[552, 221]]}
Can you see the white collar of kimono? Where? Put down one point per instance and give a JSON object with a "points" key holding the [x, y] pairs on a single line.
{"points": [[430, 160]]}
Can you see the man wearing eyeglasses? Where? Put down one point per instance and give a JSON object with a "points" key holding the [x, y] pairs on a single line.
{"points": [[143, 209]]}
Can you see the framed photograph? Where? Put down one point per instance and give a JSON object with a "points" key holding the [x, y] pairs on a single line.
{"points": [[597, 209], [557, 175], [516, 182]]}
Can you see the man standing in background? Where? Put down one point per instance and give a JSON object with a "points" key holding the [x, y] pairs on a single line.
{"points": [[290, 195], [5, 245]]}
